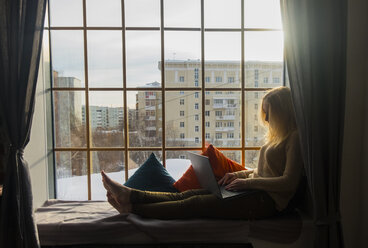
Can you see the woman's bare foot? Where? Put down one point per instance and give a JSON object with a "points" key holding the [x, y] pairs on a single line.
{"points": [[117, 195]]}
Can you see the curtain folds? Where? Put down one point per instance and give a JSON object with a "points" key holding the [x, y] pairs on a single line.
{"points": [[21, 29], [315, 51]]}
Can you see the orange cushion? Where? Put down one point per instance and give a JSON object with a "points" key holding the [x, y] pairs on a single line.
{"points": [[220, 166]]}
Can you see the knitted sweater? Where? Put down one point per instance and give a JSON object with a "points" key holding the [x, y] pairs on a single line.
{"points": [[279, 170]]}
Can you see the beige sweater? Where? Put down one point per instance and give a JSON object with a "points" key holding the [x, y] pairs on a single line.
{"points": [[279, 170]]}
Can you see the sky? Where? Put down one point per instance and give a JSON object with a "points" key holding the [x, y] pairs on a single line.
{"points": [[143, 48]]}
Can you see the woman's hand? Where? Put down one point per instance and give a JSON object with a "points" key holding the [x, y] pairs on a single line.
{"points": [[228, 178], [238, 184]]}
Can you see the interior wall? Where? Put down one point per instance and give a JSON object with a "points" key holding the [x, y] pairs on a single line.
{"points": [[36, 151], [354, 203]]}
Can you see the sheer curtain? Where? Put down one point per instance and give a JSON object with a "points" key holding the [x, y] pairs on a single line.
{"points": [[315, 49], [21, 27]]}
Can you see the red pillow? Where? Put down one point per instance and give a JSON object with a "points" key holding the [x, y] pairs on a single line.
{"points": [[220, 166]]}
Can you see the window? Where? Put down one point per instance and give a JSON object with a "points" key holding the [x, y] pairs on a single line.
{"points": [[182, 124], [196, 106], [276, 80], [256, 95], [230, 124], [208, 136], [265, 80], [256, 73], [196, 129], [255, 128], [218, 101], [116, 99], [218, 124], [182, 157], [256, 106], [196, 75], [230, 135], [218, 135], [230, 112]]}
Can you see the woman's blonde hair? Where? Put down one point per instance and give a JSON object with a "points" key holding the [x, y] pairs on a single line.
{"points": [[281, 117]]}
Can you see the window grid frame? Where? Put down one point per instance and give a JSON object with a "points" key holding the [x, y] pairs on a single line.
{"points": [[203, 89]]}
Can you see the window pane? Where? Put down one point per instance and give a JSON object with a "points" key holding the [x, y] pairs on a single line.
{"points": [[179, 13], [177, 162], [69, 119], [142, 13], [67, 58], [251, 158], [264, 46], [254, 129], [233, 155], [262, 14], [181, 45], [145, 118], [191, 134], [106, 117], [224, 115], [263, 74], [105, 59], [143, 52], [137, 158], [71, 175], [182, 64], [222, 14], [105, 13], [112, 162], [73, 8], [223, 54]]}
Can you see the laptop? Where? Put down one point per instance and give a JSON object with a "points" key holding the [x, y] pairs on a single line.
{"points": [[203, 170]]}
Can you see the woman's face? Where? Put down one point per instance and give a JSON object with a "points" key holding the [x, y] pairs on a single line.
{"points": [[265, 107]]}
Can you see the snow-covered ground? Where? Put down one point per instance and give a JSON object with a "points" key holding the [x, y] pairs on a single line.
{"points": [[75, 188]]}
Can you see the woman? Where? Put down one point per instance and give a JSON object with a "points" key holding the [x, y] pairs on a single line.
{"points": [[276, 177]]}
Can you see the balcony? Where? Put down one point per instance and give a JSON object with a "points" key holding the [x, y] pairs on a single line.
{"points": [[150, 107], [224, 129], [224, 106], [225, 117], [150, 129], [150, 118]]}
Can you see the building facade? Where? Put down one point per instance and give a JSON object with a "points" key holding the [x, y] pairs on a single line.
{"points": [[223, 128]]}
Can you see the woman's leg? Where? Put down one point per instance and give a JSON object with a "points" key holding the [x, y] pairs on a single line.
{"points": [[252, 206], [139, 196]]}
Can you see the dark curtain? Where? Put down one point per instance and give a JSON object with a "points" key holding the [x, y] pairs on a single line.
{"points": [[21, 28], [315, 51]]}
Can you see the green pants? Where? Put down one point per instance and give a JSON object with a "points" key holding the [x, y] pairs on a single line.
{"points": [[201, 204]]}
